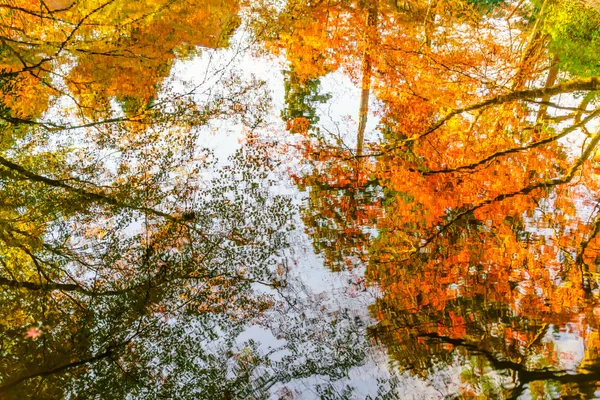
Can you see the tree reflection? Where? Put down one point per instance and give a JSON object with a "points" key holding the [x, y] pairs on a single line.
{"points": [[132, 259], [124, 262], [484, 189]]}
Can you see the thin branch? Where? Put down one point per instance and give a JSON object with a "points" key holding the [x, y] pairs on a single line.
{"points": [[108, 352], [584, 84], [526, 190], [530, 146]]}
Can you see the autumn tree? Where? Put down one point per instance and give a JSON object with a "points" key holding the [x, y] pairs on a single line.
{"points": [[487, 217], [106, 235]]}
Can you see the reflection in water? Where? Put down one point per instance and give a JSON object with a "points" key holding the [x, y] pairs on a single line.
{"points": [[450, 253]]}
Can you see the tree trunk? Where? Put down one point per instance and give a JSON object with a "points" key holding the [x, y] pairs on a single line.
{"points": [[550, 81], [366, 76]]}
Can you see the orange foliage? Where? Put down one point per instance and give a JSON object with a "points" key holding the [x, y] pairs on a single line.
{"points": [[485, 220]]}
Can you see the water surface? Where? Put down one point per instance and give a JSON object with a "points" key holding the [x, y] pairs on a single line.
{"points": [[223, 199]]}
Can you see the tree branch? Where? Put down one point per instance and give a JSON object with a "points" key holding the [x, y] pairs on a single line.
{"points": [[584, 84]]}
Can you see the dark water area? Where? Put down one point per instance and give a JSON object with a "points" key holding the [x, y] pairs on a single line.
{"points": [[332, 199]]}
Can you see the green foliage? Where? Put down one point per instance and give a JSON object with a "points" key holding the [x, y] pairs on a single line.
{"points": [[575, 32], [301, 98]]}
